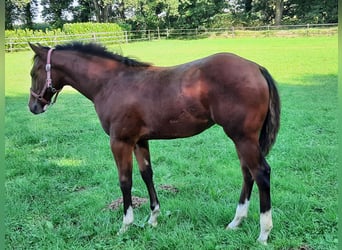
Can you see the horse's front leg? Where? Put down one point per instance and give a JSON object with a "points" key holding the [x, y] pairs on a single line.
{"points": [[142, 155], [122, 152]]}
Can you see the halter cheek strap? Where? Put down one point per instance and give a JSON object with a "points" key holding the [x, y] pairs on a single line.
{"points": [[48, 83]]}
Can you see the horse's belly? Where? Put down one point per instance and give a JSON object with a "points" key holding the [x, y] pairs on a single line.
{"points": [[184, 125]]}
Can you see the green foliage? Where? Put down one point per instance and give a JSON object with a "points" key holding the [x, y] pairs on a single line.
{"points": [[60, 174], [193, 14], [151, 14], [229, 20], [311, 11], [17, 40], [100, 32], [262, 12], [54, 11], [83, 28], [146, 14]]}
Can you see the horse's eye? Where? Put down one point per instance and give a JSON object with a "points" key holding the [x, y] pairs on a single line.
{"points": [[33, 74]]}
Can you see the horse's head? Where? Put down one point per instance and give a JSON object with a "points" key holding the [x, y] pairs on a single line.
{"points": [[43, 88]]}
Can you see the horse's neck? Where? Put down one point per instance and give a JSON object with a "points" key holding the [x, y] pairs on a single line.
{"points": [[85, 75]]}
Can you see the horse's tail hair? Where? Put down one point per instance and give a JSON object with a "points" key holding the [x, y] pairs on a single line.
{"points": [[271, 124]]}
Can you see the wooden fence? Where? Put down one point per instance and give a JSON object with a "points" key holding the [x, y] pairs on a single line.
{"points": [[13, 44]]}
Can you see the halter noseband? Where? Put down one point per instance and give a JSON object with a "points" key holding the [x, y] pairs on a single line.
{"points": [[48, 83]]}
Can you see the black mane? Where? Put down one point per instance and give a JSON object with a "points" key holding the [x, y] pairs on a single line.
{"points": [[101, 51]]}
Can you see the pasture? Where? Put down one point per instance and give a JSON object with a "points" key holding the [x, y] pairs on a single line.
{"points": [[61, 178]]}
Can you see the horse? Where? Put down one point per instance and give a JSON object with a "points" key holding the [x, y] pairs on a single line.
{"points": [[137, 102]]}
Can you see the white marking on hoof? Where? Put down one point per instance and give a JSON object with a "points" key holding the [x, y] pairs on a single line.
{"points": [[123, 229], [154, 215], [265, 226], [240, 214], [127, 220]]}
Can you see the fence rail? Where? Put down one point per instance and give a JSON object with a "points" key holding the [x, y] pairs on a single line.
{"points": [[21, 43]]}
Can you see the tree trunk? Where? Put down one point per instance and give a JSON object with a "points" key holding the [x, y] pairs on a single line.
{"points": [[279, 7], [248, 6], [28, 16], [106, 12], [97, 11]]}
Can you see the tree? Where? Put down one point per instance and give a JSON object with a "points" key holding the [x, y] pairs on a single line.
{"points": [[102, 10], [248, 6], [84, 11], [147, 14], [55, 11], [28, 16], [19, 12], [279, 7], [313, 11], [9, 14], [193, 14]]}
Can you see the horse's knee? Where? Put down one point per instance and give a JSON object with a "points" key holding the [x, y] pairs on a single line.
{"points": [[262, 175], [263, 178]]}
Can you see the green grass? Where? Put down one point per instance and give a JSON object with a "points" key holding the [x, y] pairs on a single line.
{"points": [[60, 174]]}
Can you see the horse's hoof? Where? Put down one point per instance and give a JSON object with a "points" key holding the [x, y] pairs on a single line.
{"points": [[231, 226], [153, 224], [123, 229], [154, 215], [262, 242]]}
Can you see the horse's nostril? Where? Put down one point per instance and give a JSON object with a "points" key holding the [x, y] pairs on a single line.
{"points": [[34, 108]]}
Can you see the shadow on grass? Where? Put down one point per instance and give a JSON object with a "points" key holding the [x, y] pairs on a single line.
{"points": [[313, 80]]}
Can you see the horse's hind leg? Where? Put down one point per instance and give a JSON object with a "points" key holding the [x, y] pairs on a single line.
{"points": [[254, 167], [142, 155], [242, 208]]}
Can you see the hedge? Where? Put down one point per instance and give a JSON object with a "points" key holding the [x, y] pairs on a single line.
{"points": [[18, 39], [83, 28]]}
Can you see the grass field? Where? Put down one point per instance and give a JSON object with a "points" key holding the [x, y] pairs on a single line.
{"points": [[60, 175]]}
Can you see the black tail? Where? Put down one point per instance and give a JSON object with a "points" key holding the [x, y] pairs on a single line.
{"points": [[271, 125]]}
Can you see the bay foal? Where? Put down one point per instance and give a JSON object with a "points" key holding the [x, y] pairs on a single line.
{"points": [[137, 102]]}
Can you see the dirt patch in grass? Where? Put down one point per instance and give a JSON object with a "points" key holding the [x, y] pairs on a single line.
{"points": [[137, 202], [168, 188], [304, 247]]}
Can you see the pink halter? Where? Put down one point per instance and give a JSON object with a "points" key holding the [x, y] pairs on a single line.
{"points": [[48, 83]]}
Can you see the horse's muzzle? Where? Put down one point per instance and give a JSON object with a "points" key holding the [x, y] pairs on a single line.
{"points": [[36, 108]]}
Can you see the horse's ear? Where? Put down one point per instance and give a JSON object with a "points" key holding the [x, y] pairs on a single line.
{"points": [[34, 47], [38, 49]]}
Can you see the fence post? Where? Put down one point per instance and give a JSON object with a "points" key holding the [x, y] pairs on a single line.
{"points": [[307, 29], [94, 37], [167, 33], [126, 36], [233, 32], [158, 33], [11, 46]]}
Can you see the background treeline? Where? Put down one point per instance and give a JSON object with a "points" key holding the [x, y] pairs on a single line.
{"points": [[148, 14]]}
